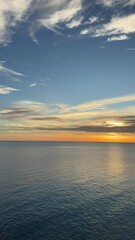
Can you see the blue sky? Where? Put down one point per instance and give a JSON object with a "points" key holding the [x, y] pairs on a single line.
{"points": [[67, 67]]}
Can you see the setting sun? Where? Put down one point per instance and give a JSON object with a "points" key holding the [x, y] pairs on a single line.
{"points": [[115, 123]]}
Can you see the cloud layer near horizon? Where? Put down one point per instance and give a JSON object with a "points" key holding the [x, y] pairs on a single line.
{"points": [[96, 117]]}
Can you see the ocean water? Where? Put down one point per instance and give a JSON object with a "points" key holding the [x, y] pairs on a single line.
{"points": [[67, 191]]}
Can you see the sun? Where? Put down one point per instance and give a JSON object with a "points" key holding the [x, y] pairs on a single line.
{"points": [[115, 123]]}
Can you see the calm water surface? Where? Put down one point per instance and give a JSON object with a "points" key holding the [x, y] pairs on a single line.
{"points": [[67, 191]]}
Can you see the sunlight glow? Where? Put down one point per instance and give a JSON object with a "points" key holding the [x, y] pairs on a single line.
{"points": [[115, 123]]}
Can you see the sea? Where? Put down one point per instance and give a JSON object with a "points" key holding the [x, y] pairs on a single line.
{"points": [[67, 191]]}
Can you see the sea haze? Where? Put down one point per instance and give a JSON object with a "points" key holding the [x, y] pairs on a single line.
{"points": [[67, 191]]}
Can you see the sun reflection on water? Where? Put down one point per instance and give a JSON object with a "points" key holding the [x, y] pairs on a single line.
{"points": [[115, 161]]}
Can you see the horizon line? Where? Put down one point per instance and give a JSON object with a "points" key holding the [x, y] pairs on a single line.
{"points": [[66, 141]]}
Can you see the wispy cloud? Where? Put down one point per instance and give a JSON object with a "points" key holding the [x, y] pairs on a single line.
{"points": [[22, 112], [118, 28], [32, 106], [117, 25], [50, 14], [115, 3], [94, 129], [6, 70], [58, 15], [74, 23], [6, 90], [117, 38], [107, 3], [85, 31], [130, 49], [51, 118], [92, 20], [103, 103], [113, 128], [2, 61], [15, 79], [61, 12], [11, 14], [33, 84], [99, 116]]}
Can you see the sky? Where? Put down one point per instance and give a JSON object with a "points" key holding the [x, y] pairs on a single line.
{"points": [[67, 70]]}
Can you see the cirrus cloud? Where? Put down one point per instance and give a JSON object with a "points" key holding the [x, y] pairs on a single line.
{"points": [[45, 13], [118, 38], [118, 28], [58, 15], [6, 90], [34, 84], [8, 71], [114, 3], [99, 116], [117, 25], [11, 14]]}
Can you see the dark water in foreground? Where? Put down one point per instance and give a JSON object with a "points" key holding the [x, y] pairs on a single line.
{"points": [[67, 191]]}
